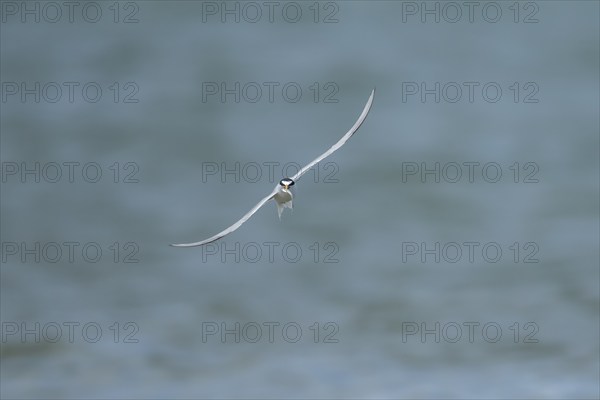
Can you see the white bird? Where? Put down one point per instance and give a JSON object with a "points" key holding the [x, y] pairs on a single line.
{"points": [[282, 194]]}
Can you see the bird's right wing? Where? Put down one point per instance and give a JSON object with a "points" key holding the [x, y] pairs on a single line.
{"points": [[232, 227], [340, 142]]}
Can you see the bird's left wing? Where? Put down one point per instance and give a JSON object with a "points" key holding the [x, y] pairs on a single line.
{"points": [[232, 227], [340, 142]]}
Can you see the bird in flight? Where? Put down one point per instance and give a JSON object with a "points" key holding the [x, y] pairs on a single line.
{"points": [[282, 193]]}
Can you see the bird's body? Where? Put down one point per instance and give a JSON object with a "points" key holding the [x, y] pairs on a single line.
{"points": [[282, 194], [283, 199]]}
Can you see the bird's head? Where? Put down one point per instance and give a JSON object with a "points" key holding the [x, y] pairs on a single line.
{"points": [[286, 183]]}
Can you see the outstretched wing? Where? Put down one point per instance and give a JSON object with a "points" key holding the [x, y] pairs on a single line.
{"points": [[340, 142], [232, 227]]}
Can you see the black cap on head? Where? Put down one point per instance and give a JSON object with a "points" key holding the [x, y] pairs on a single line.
{"points": [[286, 182]]}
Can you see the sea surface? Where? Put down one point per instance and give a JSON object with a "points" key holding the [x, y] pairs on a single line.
{"points": [[449, 250]]}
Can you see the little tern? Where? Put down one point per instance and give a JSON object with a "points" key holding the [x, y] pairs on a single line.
{"points": [[282, 193]]}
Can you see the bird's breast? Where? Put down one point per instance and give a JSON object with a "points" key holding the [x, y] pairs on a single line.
{"points": [[283, 196]]}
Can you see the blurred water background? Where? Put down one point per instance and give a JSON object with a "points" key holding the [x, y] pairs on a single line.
{"points": [[449, 250]]}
